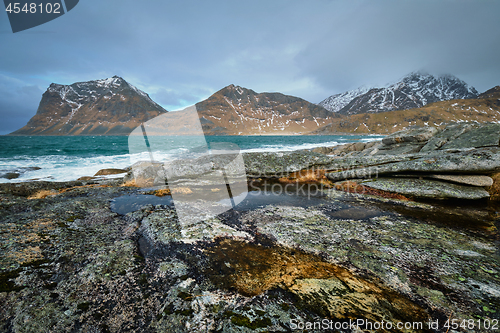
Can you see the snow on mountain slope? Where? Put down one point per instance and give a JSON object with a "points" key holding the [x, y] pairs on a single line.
{"points": [[236, 110], [336, 102], [414, 90], [110, 106]]}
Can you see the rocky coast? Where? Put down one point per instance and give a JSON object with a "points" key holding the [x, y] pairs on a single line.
{"points": [[403, 230]]}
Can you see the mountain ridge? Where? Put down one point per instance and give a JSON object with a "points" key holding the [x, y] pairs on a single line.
{"points": [[234, 110], [109, 106], [482, 109], [414, 90]]}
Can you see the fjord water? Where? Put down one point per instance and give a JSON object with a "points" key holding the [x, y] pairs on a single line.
{"points": [[65, 158]]}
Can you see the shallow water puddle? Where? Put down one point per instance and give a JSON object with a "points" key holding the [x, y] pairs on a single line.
{"points": [[261, 197], [130, 203], [329, 290], [275, 196]]}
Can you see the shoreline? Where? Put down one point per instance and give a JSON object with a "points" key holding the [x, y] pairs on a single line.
{"points": [[353, 250]]}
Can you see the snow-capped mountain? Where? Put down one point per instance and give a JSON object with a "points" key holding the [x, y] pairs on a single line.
{"points": [[336, 102], [235, 110], [110, 106], [414, 90], [483, 109]]}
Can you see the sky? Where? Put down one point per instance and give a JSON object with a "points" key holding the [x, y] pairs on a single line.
{"points": [[180, 52]]}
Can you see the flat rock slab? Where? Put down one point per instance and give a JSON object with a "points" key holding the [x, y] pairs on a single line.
{"points": [[450, 133], [476, 161], [423, 188], [466, 179], [399, 149], [106, 172], [421, 134], [484, 136], [277, 164]]}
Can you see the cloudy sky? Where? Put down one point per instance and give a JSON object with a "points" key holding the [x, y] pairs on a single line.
{"points": [[182, 51]]}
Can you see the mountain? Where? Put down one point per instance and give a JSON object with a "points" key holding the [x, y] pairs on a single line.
{"points": [[234, 110], [337, 102], [413, 91], [484, 108], [102, 107]]}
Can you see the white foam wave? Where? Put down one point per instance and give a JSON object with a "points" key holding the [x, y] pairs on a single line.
{"points": [[281, 147], [60, 168], [67, 168]]}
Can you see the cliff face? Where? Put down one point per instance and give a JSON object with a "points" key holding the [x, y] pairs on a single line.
{"points": [[102, 107], [235, 110]]}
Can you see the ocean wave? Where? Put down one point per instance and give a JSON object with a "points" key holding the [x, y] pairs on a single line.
{"points": [[67, 167]]}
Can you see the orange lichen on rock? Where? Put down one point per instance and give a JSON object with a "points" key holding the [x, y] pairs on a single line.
{"points": [[162, 192], [494, 190], [182, 190], [130, 183], [353, 187], [42, 194], [328, 289], [307, 176]]}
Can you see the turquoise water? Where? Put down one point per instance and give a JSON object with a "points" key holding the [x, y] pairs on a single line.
{"points": [[63, 158]]}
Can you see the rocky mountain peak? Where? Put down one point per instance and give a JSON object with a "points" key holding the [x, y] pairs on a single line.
{"points": [[412, 91], [239, 110], [110, 106], [491, 93]]}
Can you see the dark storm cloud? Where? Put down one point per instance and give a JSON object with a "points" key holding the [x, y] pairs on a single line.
{"points": [[377, 44], [182, 51], [17, 103]]}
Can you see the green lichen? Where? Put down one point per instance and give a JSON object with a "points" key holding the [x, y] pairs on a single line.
{"points": [[240, 320]]}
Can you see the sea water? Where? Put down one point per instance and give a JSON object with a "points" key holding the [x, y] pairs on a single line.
{"points": [[65, 158]]}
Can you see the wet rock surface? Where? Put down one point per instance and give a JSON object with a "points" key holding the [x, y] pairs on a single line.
{"points": [[97, 256], [69, 263], [424, 188]]}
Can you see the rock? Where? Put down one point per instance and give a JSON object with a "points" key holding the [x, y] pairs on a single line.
{"points": [[466, 179], [359, 146], [450, 133], [399, 149], [483, 136], [347, 297], [477, 161], [11, 175], [147, 174], [276, 165], [106, 172], [422, 188], [85, 178], [69, 262], [371, 144], [406, 253], [420, 134], [322, 150], [494, 189]]}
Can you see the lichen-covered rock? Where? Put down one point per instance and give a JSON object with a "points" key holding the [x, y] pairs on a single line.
{"points": [[415, 135], [473, 180], [426, 188], [70, 262], [147, 174], [399, 149], [483, 136], [494, 189], [107, 172], [477, 161], [421, 260], [448, 134], [278, 164]]}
